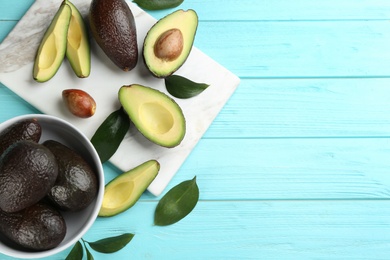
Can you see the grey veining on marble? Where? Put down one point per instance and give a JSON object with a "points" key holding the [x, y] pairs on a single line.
{"points": [[17, 54]]}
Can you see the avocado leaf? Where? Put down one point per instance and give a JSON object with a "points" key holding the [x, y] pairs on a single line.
{"points": [[89, 255], [181, 87], [110, 134], [111, 244], [158, 4], [177, 203], [76, 253]]}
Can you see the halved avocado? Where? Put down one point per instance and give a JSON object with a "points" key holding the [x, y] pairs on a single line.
{"points": [[169, 42], [78, 49], [157, 116], [51, 51], [124, 191]]}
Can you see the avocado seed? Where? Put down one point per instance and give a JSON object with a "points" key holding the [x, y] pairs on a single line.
{"points": [[169, 45]]}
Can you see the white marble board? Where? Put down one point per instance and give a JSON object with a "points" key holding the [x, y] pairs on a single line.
{"points": [[17, 53]]}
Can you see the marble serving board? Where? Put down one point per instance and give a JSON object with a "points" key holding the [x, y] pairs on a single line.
{"points": [[17, 53]]}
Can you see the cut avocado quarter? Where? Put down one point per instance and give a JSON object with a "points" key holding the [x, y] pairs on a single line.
{"points": [[124, 191], [78, 49], [169, 42], [157, 116], [52, 49]]}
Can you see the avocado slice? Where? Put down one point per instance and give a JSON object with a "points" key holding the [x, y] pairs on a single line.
{"points": [[51, 51], [78, 50], [169, 42], [157, 116], [124, 191]]}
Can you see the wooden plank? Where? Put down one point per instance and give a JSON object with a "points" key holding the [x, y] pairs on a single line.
{"points": [[249, 229], [263, 108], [298, 49], [286, 9], [235, 169], [14, 10], [259, 9], [6, 28], [251, 169]]}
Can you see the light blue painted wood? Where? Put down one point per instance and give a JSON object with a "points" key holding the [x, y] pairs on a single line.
{"points": [[246, 10], [6, 27], [296, 164], [298, 49], [331, 107], [254, 230], [14, 10]]}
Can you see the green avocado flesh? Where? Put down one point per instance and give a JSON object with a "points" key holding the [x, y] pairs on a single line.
{"points": [[78, 49], [165, 52], [157, 116], [124, 191], [52, 49]]}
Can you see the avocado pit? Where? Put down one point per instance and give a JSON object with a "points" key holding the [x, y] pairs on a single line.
{"points": [[169, 45]]}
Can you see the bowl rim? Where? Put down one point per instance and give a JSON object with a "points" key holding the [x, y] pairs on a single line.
{"points": [[99, 198]]}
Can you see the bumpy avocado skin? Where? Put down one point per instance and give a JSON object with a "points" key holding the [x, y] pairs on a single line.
{"points": [[76, 185], [38, 227], [28, 129], [27, 172], [113, 27]]}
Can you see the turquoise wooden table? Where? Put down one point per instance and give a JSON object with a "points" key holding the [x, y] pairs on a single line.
{"points": [[296, 165]]}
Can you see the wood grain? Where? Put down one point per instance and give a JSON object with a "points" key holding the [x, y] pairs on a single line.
{"points": [[296, 165]]}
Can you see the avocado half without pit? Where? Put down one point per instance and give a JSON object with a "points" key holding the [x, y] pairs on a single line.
{"points": [[157, 116], [78, 51], [52, 49], [66, 36], [168, 43]]}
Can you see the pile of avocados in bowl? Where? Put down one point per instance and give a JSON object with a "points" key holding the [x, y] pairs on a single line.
{"points": [[51, 186]]}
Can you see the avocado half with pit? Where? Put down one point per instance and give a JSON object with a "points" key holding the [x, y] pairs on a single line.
{"points": [[52, 49], [168, 43], [157, 116]]}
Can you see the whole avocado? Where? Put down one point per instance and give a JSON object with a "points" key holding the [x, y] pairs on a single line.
{"points": [[113, 28], [28, 129], [27, 172], [38, 227], [76, 185]]}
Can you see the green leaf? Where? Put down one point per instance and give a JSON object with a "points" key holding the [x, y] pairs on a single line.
{"points": [[182, 87], [89, 255], [177, 203], [110, 134], [157, 4], [111, 244], [76, 253]]}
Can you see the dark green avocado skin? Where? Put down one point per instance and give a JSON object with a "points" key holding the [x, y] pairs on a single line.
{"points": [[27, 172], [113, 27], [38, 227], [28, 129], [76, 185]]}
